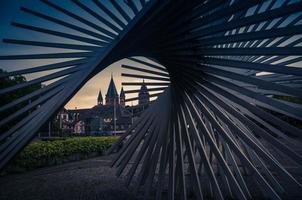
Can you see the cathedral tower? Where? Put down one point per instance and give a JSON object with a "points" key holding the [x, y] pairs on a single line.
{"points": [[143, 95], [100, 98], [112, 94]]}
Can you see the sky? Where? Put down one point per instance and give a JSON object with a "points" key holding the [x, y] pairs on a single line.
{"points": [[86, 97], [10, 12]]}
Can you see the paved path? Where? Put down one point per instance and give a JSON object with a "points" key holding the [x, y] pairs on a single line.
{"points": [[89, 179]]}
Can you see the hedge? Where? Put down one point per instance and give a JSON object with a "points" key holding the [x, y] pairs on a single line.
{"points": [[46, 153]]}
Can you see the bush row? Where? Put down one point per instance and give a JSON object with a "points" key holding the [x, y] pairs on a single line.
{"points": [[45, 153]]}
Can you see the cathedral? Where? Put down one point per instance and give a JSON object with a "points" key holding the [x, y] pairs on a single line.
{"points": [[99, 120], [112, 97]]}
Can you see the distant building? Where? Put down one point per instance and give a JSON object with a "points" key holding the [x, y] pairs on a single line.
{"points": [[143, 95], [98, 120], [79, 127]]}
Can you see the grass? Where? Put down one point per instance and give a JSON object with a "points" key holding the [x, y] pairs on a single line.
{"points": [[46, 153]]}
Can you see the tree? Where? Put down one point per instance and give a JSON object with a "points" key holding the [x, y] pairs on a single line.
{"points": [[9, 97]]}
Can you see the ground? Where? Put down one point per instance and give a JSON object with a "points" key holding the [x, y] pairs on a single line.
{"points": [[91, 179], [88, 179]]}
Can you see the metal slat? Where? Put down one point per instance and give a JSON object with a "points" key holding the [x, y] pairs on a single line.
{"points": [[63, 23], [257, 111], [275, 13], [97, 16], [53, 45], [218, 154], [109, 13], [145, 70], [57, 33], [39, 80], [136, 98], [120, 10], [146, 83], [149, 90], [143, 76], [256, 66], [108, 35], [254, 81], [43, 68], [32, 95], [47, 56], [132, 5], [148, 64]]}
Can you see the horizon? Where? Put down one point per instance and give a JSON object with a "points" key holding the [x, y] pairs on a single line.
{"points": [[86, 97]]}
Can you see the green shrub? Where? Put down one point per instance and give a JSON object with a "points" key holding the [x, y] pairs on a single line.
{"points": [[44, 153]]}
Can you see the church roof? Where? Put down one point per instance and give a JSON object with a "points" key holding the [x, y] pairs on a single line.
{"points": [[122, 93], [111, 92]]}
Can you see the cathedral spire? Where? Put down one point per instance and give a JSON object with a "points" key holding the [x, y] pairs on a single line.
{"points": [[122, 93], [100, 98], [122, 97], [112, 93]]}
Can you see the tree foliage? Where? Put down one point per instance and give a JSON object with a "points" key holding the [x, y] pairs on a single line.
{"points": [[6, 82]]}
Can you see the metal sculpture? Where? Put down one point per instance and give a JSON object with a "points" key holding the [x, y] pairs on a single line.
{"points": [[215, 129]]}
